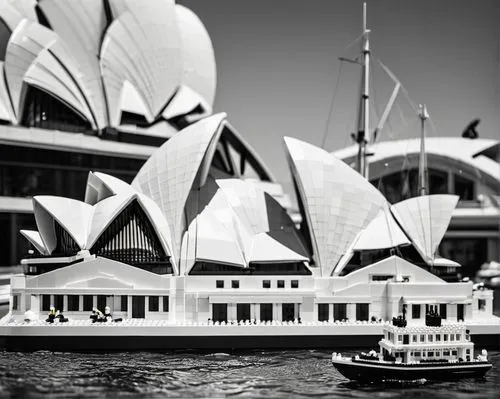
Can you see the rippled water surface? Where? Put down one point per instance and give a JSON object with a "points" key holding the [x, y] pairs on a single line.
{"points": [[304, 373]]}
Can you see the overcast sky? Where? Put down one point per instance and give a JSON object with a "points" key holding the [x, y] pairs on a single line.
{"points": [[277, 67]]}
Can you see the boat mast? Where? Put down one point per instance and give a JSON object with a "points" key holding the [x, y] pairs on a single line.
{"points": [[363, 122], [422, 165]]}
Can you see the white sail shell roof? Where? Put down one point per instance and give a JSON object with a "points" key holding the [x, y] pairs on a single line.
{"points": [[266, 249], [82, 25], [6, 111], [214, 243], [14, 11], [425, 220], [142, 46], [185, 101], [339, 203], [198, 58], [73, 216], [382, 232], [35, 239], [168, 175]]}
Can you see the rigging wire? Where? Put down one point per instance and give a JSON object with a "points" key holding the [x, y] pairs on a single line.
{"points": [[335, 90]]}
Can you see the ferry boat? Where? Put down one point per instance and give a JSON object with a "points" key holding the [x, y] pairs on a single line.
{"points": [[433, 351]]}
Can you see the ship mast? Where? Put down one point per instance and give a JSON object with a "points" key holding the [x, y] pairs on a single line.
{"points": [[363, 136], [422, 165]]}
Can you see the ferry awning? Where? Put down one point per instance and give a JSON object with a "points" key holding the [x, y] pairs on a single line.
{"points": [[253, 299]]}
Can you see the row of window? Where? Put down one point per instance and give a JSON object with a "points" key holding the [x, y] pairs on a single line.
{"points": [[440, 309], [431, 338], [436, 353], [243, 312], [340, 311], [99, 301], [265, 284]]}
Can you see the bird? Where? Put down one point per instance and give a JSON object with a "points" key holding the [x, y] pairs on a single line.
{"points": [[470, 131]]}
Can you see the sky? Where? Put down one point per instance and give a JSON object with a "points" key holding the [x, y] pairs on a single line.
{"points": [[278, 69]]}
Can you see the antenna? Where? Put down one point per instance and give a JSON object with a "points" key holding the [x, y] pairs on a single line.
{"points": [[422, 166]]}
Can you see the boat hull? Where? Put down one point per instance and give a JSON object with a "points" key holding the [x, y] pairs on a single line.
{"points": [[372, 372]]}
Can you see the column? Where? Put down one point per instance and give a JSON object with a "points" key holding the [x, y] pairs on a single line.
{"points": [[35, 303], [351, 311], [255, 311], [231, 311], [65, 304], [129, 307], [330, 312], [80, 303]]}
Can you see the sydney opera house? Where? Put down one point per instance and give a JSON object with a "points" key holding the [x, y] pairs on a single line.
{"points": [[200, 236]]}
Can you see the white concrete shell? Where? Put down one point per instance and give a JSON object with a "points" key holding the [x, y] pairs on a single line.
{"points": [[214, 243], [82, 25], [382, 232], [425, 220], [72, 215], [35, 239], [266, 249], [198, 59], [36, 55], [14, 11], [169, 174], [142, 46], [6, 111], [338, 202], [185, 101]]}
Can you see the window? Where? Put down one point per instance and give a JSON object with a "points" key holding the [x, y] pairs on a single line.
{"points": [[235, 283], [165, 304], [458, 337], [59, 302], [362, 310], [413, 338], [154, 303], [88, 303], [73, 303], [15, 302], [467, 351], [281, 283], [382, 277], [464, 188], [266, 312], [438, 337], [400, 338], [430, 354], [454, 353], [452, 337], [417, 354], [46, 302], [445, 337], [101, 302], [219, 284], [415, 311], [429, 338], [442, 310], [124, 303], [323, 311], [339, 311], [294, 283], [446, 353], [460, 312], [219, 312], [422, 338], [266, 283], [481, 304]]}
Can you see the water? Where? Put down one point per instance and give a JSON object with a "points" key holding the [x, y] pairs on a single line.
{"points": [[284, 374]]}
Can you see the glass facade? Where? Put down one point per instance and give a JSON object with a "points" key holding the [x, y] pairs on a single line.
{"points": [[471, 253]]}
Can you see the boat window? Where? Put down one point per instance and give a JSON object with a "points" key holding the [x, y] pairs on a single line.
{"points": [[287, 311], [415, 311], [481, 304], [166, 303], [445, 337], [235, 283], [446, 353], [219, 284], [362, 311], [438, 337], [417, 354], [323, 311], [219, 312], [281, 283], [400, 338], [294, 283], [154, 303], [467, 351], [430, 354], [73, 303], [443, 310], [458, 337], [15, 302], [59, 302], [124, 303], [452, 337], [414, 338], [454, 353], [382, 277], [430, 338], [266, 283], [266, 312], [422, 338]]}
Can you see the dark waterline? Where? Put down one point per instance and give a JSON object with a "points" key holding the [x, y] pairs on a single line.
{"points": [[302, 373]]}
